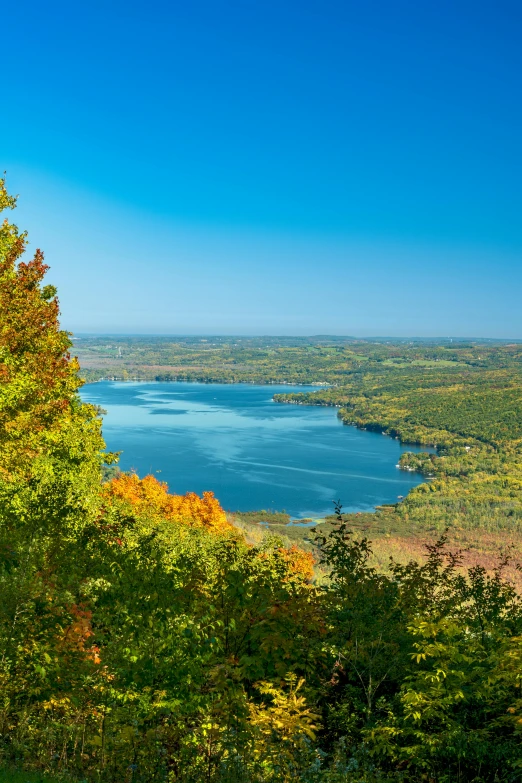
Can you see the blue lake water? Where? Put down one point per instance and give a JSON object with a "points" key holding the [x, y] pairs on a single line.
{"points": [[251, 452]]}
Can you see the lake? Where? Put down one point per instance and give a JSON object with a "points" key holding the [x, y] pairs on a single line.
{"points": [[251, 452]]}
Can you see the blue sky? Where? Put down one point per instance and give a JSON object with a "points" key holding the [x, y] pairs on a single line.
{"points": [[271, 167]]}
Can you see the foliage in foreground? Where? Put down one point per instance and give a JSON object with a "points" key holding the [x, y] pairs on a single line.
{"points": [[142, 639]]}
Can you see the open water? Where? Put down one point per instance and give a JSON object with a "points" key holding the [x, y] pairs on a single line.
{"points": [[251, 452]]}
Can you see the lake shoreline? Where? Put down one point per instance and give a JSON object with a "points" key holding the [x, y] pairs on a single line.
{"points": [[254, 454], [318, 384]]}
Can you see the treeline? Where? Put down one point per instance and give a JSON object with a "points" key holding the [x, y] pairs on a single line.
{"points": [[142, 639], [484, 406], [281, 360]]}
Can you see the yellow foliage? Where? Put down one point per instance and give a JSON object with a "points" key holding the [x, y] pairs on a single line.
{"points": [[151, 496], [283, 726]]}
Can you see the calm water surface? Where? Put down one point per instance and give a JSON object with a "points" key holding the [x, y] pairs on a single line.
{"points": [[252, 452]]}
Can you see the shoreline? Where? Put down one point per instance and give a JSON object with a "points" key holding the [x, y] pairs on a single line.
{"points": [[317, 384], [294, 520]]}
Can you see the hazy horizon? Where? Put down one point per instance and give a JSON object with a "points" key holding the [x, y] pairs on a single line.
{"points": [[268, 335]]}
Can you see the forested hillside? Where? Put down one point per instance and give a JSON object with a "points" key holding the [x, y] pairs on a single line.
{"points": [[142, 639], [474, 419]]}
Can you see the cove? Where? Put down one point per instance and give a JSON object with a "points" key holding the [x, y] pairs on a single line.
{"points": [[251, 452]]}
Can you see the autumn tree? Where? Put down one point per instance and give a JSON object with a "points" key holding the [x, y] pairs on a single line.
{"points": [[151, 498], [51, 453]]}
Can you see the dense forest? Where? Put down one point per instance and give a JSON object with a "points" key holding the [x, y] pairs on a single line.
{"points": [[143, 638]]}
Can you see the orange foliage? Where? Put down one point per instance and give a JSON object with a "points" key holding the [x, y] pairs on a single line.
{"points": [[299, 562], [35, 366], [79, 631], [152, 496]]}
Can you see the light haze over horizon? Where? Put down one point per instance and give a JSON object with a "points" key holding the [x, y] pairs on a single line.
{"points": [[275, 168]]}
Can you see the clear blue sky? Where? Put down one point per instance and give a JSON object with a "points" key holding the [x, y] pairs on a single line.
{"points": [[271, 167]]}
